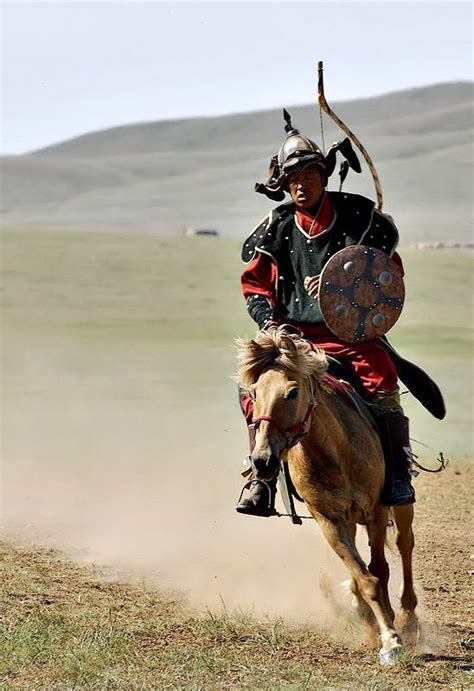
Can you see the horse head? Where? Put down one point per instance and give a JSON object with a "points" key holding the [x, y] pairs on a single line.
{"points": [[280, 371]]}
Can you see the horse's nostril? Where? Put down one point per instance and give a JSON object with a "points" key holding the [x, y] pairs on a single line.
{"points": [[265, 467], [274, 463], [259, 464]]}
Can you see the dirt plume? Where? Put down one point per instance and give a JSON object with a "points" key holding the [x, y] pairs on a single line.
{"points": [[164, 512]]}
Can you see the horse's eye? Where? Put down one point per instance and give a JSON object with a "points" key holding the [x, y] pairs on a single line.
{"points": [[252, 393], [292, 393]]}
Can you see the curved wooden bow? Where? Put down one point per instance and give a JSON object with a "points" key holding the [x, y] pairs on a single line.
{"points": [[323, 104]]}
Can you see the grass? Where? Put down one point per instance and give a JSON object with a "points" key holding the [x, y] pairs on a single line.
{"points": [[67, 627]]}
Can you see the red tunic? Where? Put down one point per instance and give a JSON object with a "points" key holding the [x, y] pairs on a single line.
{"points": [[370, 362]]}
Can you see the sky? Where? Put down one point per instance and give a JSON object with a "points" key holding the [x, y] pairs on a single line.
{"points": [[74, 67]]}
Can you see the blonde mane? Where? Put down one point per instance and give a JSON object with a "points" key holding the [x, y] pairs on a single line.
{"points": [[281, 349]]}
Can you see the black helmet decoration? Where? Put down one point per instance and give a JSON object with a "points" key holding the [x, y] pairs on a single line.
{"points": [[298, 152]]}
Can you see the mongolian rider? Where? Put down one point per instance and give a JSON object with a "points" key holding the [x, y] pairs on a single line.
{"points": [[284, 258]]}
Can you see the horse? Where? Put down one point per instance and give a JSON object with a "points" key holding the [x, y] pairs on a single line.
{"points": [[336, 464]]}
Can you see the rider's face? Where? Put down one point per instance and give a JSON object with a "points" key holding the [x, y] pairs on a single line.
{"points": [[305, 188]]}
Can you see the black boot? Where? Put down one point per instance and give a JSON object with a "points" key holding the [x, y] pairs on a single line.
{"points": [[258, 498], [398, 489]]}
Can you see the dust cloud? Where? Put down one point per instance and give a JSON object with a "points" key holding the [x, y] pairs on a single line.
{"points": [[150, 492]]}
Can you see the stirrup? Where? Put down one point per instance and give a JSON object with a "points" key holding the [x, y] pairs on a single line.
{"points": [[264, 499]]}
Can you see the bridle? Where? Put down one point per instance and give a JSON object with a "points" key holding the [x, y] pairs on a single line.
{"points": [[297, 431]]}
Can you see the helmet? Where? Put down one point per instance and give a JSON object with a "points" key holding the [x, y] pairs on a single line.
{"points": [[297, 151]]}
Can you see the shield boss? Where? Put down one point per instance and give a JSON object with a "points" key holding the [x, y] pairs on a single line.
{"points": [[361, 293]]}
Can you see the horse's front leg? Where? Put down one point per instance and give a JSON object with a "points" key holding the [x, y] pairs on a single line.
{"points": [[361, 608], [338, 535]]}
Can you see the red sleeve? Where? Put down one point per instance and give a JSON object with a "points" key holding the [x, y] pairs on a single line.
{"points": [[398, 260], [259, 277]]}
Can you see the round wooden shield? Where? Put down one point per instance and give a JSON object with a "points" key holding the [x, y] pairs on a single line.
{"points": [[361, 293]]}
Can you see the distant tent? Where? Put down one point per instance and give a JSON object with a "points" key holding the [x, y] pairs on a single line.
{"points": [[202, 231]]}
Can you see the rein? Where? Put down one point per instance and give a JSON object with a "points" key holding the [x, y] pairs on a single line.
{"points": [[443, 462]]}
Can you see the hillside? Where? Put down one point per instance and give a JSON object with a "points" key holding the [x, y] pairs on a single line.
{"points": [[168, 175]]}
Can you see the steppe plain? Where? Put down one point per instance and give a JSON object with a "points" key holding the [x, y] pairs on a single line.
{"points": [[122, 442]]}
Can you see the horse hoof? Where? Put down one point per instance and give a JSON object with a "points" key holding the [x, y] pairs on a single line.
{"points": [[389, 657]]}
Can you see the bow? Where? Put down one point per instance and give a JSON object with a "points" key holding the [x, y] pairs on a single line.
{"points": [[323, 104]]}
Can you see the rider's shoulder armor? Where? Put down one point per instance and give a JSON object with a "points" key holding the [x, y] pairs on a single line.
{"points": [[365, 224], [262, 238], [356, 222]]}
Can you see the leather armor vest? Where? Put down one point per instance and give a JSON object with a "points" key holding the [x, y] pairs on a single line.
{"points": [[297, 254]]}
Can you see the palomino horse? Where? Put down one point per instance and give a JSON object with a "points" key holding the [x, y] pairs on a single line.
{"points": [[336, 464]]}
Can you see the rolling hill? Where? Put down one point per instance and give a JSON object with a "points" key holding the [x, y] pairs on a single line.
{"points": [[165, 176]]}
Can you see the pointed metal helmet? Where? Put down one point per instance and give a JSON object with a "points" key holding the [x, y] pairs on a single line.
{"points": [[297, 151]]}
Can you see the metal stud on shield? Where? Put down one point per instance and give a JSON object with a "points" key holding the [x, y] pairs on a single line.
{"points": [[361, 294]]}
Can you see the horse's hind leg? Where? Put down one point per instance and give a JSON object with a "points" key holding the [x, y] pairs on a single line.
{"points": [[338, 534], [405, 542], [377, 531]]}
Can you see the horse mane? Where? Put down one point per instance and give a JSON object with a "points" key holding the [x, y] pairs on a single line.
{"points": [[278, 348]]}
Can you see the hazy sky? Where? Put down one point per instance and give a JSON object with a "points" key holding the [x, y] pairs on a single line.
{"points": [[74, 67]]}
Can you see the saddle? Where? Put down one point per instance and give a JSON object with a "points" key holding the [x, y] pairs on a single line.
{"points": [[343, 383]]}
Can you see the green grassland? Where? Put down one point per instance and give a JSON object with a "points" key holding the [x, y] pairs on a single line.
{"points": [[64, 627], [124, 314]]}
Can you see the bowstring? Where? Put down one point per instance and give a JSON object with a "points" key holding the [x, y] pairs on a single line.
{"points": [[322, 129]]}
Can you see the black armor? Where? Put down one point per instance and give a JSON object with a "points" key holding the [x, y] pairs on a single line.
{"points": [[297, 255]]}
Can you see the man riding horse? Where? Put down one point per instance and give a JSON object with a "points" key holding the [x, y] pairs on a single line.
{"points": [[285, 256]]}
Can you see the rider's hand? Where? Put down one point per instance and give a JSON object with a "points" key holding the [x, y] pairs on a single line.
{"points": [[311, 284], [270, 325]]}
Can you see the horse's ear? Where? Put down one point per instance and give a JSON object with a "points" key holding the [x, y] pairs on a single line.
{"points": [[289, 344], [253, 349]]}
